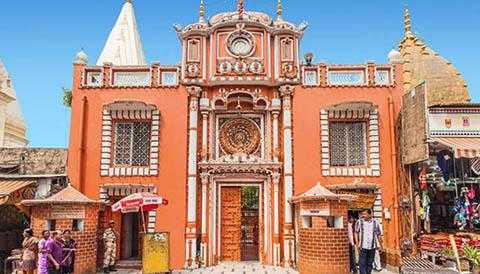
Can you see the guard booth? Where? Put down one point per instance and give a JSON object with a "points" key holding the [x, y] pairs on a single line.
{"points": [[321, 231], [69, 209]]}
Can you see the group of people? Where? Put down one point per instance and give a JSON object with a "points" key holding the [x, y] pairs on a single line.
{"points": [[365, 240], [54, 253]]}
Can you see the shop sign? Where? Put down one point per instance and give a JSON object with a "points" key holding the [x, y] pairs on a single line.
{"points": [[315, 212], [65, 212], [156, 252]]}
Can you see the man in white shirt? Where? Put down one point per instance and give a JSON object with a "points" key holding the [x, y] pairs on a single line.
{"points": [[367, 239]]}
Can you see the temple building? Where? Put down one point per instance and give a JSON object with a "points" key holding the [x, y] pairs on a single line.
{"points": [[439, 136], [239, 132], [12, 124]]}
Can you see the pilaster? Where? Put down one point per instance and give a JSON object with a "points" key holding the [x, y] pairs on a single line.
{"points": [[286, 92], [191, 233], [204, 242], [276, 221]]}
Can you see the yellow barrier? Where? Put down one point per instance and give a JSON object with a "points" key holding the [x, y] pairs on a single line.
{"points": [[156, 252]]}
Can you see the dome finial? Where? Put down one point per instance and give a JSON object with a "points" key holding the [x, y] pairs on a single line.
{"points": [[240, 8], [279, 10], [128, 1], [81, 58], [408, 22], [201, 18]]}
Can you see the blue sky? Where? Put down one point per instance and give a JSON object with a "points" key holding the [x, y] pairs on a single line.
{"points": [[39, 39]]}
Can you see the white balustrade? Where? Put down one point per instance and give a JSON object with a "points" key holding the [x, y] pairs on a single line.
{"points": [[346, 78], [131, 79]]}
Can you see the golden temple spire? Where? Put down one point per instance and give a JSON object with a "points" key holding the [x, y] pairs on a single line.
{"points": [[240, 8], [408, 22], [279, 10], [201, 19]]}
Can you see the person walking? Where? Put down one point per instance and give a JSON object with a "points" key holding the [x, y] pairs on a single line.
{"points": [[29, 252], [110, 244], [69, 248], [43, 253], [54, 248], [351, 246], [367, 239]]}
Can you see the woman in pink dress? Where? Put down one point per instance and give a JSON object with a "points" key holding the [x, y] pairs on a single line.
{"points": [[42, 253]]}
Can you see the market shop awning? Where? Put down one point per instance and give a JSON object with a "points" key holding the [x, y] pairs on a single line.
{"points": [[9, 187], [462, 146]]}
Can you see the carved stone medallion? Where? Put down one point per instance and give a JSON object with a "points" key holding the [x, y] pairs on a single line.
{"points": [[239, 136]]}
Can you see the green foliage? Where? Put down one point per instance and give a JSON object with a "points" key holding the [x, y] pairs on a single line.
{"points": [[448, 252], [250, 197], [472, 254], [67, 97]]}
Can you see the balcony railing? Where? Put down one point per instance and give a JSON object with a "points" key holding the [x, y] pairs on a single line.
{"points": [[350, 76], [121, 77]]}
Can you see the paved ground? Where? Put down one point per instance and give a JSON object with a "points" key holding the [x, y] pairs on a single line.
{"points": [[239, 268]]}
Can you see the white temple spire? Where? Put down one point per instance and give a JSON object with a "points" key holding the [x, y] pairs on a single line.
{"points": [[201, 18], [123, 47]]}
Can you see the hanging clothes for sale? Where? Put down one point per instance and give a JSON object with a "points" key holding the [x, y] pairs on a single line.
{"points": [[422, 178], [445, 162]]}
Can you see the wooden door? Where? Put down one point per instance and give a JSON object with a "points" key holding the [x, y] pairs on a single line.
{"points": [[231, 223]]}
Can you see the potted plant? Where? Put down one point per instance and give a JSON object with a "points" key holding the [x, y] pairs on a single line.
{"points": [[473, 255]]}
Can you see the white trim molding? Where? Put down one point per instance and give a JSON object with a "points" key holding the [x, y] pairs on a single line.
{"points": [[128, 111], [372, 169]]}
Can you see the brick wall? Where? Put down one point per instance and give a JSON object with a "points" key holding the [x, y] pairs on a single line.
{"points": [[323, 250], [85, 260]]}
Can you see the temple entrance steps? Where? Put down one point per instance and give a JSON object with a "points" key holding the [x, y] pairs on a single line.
{"points": [[241, 268]]}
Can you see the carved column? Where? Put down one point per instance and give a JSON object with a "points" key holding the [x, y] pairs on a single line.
{"points": [[204, 108], [191, 233], [286, 92], [276, 221], [203, 245], [276, 104]]}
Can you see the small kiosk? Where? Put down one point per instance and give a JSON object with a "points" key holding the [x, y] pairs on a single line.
{"points": [[321, 229], [69, 209]]}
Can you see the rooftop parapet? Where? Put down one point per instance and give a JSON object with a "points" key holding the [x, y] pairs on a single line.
{"points": [[110, 76], [331, 75]]}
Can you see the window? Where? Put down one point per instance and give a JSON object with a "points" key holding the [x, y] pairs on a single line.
{"points": [[348, 144], [132, 143], [78, 224], [50, 225], [334, 221], [307, 221]]}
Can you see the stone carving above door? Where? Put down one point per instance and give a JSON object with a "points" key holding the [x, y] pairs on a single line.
{"points": [[240, 136]]}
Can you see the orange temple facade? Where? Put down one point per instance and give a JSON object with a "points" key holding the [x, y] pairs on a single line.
{"points": [[241, 119]]}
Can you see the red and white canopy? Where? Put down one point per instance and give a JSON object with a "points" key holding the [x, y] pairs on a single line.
{"points": [[467, 147], [139, 201]]}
